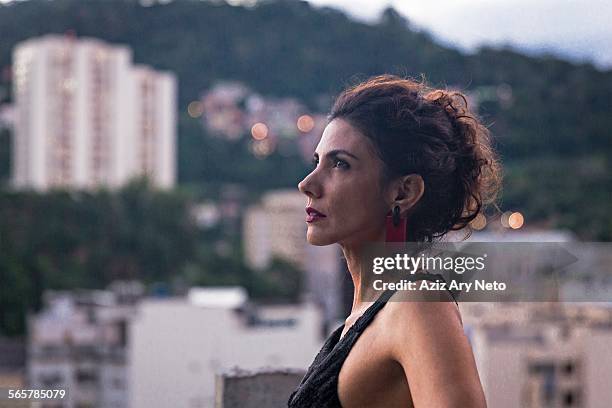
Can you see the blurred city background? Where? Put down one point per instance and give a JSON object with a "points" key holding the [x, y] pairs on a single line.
{"points": [[152, 238]]}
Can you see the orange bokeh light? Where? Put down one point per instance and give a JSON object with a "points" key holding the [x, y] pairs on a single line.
{"points": [[305, 123], [479, 222], [259, 131], [516, 220]]}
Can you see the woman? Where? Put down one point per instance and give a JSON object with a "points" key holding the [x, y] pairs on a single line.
{"points": [[393, 146]]}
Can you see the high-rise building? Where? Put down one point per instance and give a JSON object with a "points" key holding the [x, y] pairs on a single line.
{"points": [[86, 117], [155, 121]]}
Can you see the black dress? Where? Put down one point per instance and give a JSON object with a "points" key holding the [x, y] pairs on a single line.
{"points": [[319, 387]]}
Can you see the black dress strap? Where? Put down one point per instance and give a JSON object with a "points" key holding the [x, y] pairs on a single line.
{"points": [[319, 387]]}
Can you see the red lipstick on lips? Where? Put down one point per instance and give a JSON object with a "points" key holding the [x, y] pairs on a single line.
{"points": [[313, 215]]}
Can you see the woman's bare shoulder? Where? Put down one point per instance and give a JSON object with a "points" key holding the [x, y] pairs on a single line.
{"points": [[428, 340], [422, 318]]}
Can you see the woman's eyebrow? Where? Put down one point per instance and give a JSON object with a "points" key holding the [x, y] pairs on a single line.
{"points": [[336, 152]]}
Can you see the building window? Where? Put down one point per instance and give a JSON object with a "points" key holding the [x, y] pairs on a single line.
{"points": [[569, 368], [545, 370], [86, 376], [122, 328], [570, 398], [50, 380]]}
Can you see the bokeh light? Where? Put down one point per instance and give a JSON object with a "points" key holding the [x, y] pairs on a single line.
{"points": [[305, 123], [259, 131], [195, 109], [504, 219], [262, 148], [516, 220], [479, 222]]}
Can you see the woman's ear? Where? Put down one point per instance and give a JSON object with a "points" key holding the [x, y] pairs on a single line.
{"points": [[409, 191]]}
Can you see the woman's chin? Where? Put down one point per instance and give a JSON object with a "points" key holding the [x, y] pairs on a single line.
{"points": [[318, 239]]}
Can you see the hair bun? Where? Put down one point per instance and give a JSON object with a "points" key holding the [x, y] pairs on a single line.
{"points": [[455, 104], [477, 161]]}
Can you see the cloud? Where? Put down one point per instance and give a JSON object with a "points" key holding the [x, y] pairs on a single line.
{"points": [[572, 28]]}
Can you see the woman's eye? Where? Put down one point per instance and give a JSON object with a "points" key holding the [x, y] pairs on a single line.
{"points": [[314, 163], [341, 164]]}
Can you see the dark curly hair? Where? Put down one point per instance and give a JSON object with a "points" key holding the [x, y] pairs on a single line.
{"points": [[430, 132]]}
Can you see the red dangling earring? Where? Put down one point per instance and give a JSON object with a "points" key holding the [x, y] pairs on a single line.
{"points": [[396, 226]]}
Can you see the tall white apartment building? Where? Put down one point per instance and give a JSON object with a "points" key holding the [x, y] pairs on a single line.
{"points": [[86, 117], [155, 122]]}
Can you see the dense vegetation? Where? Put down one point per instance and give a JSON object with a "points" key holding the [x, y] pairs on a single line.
{"points": [[553, 134], [66, 240]]}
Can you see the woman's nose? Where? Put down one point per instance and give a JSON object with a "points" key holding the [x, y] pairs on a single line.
{"points": [[308, 186]]}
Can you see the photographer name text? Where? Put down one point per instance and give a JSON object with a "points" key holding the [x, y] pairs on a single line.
{"points": [[404, 284]]}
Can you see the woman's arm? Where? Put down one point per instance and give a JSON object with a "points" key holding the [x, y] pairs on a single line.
{"points": [[429, 342]]}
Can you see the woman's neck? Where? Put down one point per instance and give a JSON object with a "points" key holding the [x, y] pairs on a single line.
{"points": [[354, 255]]}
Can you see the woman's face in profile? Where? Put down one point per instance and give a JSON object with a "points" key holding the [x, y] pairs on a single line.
{"points": [[345, 189]]}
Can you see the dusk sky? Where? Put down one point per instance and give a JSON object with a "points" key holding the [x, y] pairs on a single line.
{"points": [[578, 29]]}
